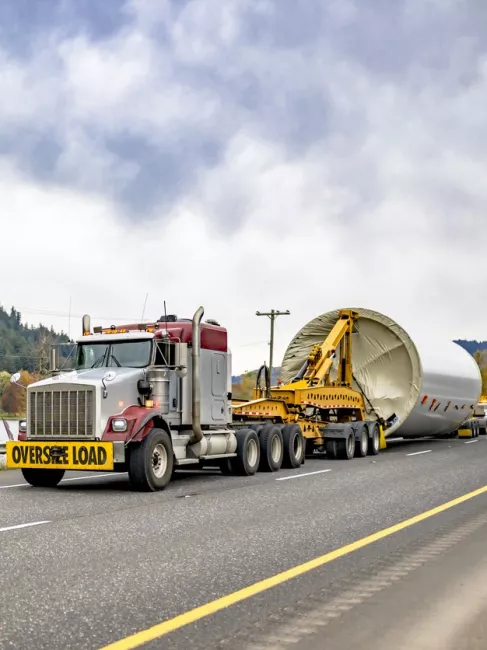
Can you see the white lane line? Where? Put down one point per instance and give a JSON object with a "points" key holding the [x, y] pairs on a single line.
{"points": [[84, 478], [288, 478], [75, 478], [417, 453], [33, 523], [469, 442]]}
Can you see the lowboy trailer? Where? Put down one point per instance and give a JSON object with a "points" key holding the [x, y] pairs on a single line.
{"points": [[330, 413]]}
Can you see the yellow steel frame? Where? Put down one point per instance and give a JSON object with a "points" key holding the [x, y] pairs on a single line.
{"points": [[289, 402]]}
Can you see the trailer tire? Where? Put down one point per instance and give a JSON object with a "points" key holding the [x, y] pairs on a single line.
{"points": [[362, 443], [294, 448], [246, 463], [271, 448], [257, 428], [309, 446], [374, 440], [331, 449], [151, 462], [346, 447], [43, 478]]}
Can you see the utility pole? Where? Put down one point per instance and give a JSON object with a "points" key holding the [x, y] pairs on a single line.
{"points": [[272, 314]]}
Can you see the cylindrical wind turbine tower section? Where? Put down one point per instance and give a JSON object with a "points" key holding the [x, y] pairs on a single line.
{"points": [[432, 387]]}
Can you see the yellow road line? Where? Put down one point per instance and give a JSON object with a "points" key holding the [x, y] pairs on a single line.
{"points": [[161, 629]]}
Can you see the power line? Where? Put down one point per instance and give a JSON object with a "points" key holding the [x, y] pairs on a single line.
{"points": [[67, 315]]}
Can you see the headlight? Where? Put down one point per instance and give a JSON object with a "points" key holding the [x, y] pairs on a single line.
{"points": [[119, 425], [23, 426]]}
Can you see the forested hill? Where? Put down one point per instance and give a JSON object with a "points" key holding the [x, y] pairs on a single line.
{"points": [[473, 346], [24, 347]]}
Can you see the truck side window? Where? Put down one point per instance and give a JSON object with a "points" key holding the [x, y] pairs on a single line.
{"points": [[160, 360], [165, 354]]}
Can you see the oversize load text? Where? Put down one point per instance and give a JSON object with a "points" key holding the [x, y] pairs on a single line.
{"points": [[68, 455]]}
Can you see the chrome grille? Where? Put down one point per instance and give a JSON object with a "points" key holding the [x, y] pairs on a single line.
{"points": [[62, 413]]}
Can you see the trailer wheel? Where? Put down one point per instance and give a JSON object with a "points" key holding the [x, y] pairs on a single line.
{"points": [[43, 478], [151, 462], [257, 428], [271, 448], [331, 449], [246, 463], [309, 446], [362, 443], [346, 447], [293, 440], [374, 440]]}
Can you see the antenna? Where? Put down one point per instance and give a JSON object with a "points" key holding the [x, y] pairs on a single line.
{"points": [[145, 305]]}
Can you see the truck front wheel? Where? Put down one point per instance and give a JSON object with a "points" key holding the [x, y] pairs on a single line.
{"points": [[151, 462], [42, 477]]}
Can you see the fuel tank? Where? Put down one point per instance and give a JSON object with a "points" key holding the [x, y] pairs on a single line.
{"points": [[431, 386]]}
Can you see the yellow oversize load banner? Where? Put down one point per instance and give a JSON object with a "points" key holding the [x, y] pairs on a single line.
{"points": [[60, 455]]}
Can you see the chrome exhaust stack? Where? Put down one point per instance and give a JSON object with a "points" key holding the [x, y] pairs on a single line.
{"points": [[197, 433]]}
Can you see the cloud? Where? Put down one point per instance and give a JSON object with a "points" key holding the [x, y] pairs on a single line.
{"points": [[245, 157]]}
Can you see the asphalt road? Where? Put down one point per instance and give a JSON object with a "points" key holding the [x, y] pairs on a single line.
{"points": [[101, 563]]}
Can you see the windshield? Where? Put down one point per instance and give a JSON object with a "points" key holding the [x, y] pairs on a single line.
{"points": [[123, 354]]}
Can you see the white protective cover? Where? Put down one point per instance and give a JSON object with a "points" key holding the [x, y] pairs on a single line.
{"points": [[397, 376]]}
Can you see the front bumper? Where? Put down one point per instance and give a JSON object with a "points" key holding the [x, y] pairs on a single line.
{"points": [[63, 454]]}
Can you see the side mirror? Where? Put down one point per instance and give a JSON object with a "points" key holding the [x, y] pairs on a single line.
{"points": [[108, 376], [14, 379]]}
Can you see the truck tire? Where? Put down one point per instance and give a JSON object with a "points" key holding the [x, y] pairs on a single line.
{"points": [[226, 467], [151, 462], [294, 450], [246, 462], [271, 448], [346, 447], [362, 442], [42, 477], [374, 440]]}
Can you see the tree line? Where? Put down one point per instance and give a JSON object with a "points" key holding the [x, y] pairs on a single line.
{"points": [[24, 348]]}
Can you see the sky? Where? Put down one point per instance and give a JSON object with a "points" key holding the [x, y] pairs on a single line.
{"points": [[244, 155]]}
